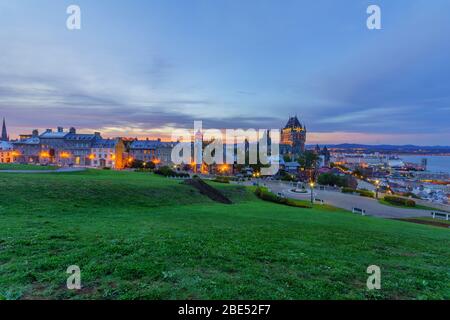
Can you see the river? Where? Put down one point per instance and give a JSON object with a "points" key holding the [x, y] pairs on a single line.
{"points": [[435, 163]]}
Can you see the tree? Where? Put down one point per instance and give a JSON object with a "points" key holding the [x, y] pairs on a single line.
{"points": [[287, 158], [137, 164], [308, 160], [329, 179]]}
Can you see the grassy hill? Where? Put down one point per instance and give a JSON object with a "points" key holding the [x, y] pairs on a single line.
{"points": [[139, 236]]}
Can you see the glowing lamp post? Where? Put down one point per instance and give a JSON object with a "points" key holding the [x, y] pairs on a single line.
{"points": [[311, 185], [377, 187]]}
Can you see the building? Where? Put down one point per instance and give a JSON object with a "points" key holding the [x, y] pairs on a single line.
{"points": [[293, 138], [292, 167], [28, 148], [7, 154], [67, 148], [108, 153], [324, 156], [156, 151], [4, 136]]}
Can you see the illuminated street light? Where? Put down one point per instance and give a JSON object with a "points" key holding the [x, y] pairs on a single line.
{"points": [[312, 184], [377, 185]]}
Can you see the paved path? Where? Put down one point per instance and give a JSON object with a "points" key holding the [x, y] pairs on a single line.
{"points": [[61, 170], [348, 202]]}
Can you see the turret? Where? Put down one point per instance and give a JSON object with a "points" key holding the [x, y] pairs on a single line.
{"points": [[5, 136]]}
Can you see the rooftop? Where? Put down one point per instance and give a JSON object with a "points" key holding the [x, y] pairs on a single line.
{"points": [[293, 122], [150, 144], [105, 143]]}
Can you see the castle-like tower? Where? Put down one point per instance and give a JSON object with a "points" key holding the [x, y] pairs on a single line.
{"points": [[294, 135], [4, 132]]}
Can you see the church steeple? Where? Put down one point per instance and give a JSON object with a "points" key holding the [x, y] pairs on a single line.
{"points": [[4, 132]]}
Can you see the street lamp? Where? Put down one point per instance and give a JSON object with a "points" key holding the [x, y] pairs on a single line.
{"points": [[311, 184], [377, 185]]}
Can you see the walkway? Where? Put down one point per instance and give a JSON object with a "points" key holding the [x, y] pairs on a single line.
{"points": [[61, 170], [349, 201]]}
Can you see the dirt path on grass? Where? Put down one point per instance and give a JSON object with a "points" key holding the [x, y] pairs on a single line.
{"points": [[427, 222], [208, 190]]}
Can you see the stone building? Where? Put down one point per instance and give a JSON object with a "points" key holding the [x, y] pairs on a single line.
{"points": [[108, 153], [67, 147], [324, 156], [7, 154], [154, 151], [293, 138], [28, 148]]}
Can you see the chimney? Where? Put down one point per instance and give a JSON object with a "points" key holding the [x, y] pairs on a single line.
{"points": [[60, 129], [97, 134], [72, 130], [35, 133], [48, 131]]}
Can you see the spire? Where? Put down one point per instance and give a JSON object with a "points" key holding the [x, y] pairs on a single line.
{"points": [[4, 132]]}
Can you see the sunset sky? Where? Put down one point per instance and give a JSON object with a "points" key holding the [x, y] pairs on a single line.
{"points": [[144, 67]]}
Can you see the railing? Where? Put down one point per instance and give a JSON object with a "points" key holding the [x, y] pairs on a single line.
{"points": [[320, 201], [359, 210], [445, 215]]}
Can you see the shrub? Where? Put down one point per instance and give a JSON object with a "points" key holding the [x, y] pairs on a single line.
{"points": [[167, 172], [366, 193], [362, 193], [143, 170], [348, 190], [265, 195], [400, 201], [285, 176], [222, 179]]}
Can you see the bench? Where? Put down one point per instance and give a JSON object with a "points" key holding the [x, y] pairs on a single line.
{"points": [[319, 201], [358, 210], [444, 215]]}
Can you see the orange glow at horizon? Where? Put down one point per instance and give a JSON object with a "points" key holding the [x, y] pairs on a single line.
{"points": [[332, 137]]}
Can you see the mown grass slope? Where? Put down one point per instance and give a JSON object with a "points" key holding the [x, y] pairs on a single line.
{"points": [[139, 236]]}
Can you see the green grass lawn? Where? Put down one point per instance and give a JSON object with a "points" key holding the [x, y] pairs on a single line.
{"points": [[15, 166], [140, 236]]}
